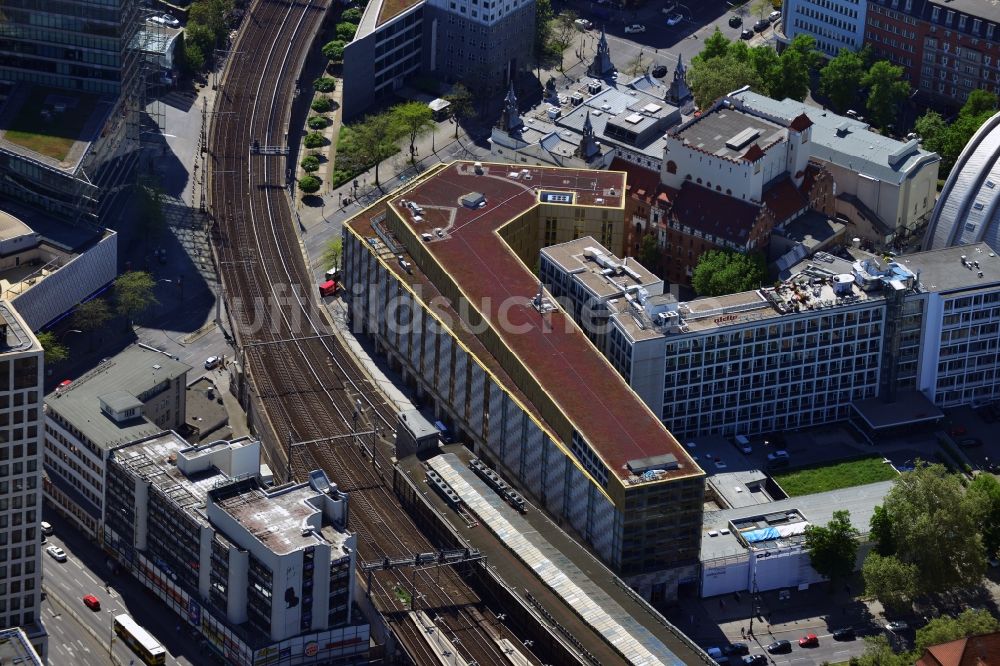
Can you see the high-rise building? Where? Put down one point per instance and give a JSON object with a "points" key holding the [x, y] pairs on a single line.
{"points": [[258, 571], [21, 373], [73, 65]]}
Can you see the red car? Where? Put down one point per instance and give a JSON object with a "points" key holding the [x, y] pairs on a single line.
{"points": [[92, 602], [957, 431], [809, 640]]}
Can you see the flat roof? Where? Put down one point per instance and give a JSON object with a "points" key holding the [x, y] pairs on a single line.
{"points": [[813, 230], [740, 489], [817, 509], [908, 407], [601, 406], [729, 133], [942, 270], [134, 370], [12, 227], [15, 648], [570, 257]]}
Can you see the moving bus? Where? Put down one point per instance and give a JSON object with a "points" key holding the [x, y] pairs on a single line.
{"points": [[141, 642]]}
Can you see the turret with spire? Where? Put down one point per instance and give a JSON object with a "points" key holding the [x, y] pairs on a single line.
{"points": [[678, 92], [588, 143], [601, 66], [510, 119]]}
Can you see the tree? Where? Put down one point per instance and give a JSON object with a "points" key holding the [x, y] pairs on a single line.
{"points": [[880, 532], [321, 104], [310, 183], [970, 622], [928, 506], [979, 102], [721, 272], [716, 46], [984, 497], [892, 582], [413, 119], [199, 37], [374, 139], [805, 45], [833, 549], [841, 78], [353, 14], [192, 58], [649, 252], [314, 140], [334, 50], [55, 351], [764, 60], [563, 29], [91, 315], [333, 252], [543, 28], [345, 31], [948, 140], [212, 14], [761, 8], [310, 163], [791, 77], [325, 84], [461, 104], [711, 79], [878, 652], [134, 294], [886, 89]]}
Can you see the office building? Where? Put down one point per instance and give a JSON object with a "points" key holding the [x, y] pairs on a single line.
{"points": [[482, 43], [136, 393], [838, 340], [834, 24], [266, 575], [884, 188], [72, 65], [21, 380], [438, 275], [966, 210], [15, 648], [946, 49]]}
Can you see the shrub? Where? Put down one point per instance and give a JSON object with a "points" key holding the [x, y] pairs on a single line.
{"points": [[345, 31], [314, 140], [321, 104], [310, 163], [325, 84], [334, 50], [318, 122], [352, 15], [310, 184]]}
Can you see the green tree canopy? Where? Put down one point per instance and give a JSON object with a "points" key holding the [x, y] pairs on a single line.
{"points": [[461, 104], [833, 548], [333, 252], [716, 46], [711, 79], [841, 79], [970, 622], [880, 532], [543, 27], [55, 351], [791, 77], [886, 89], [721, 272], [352, 14], [345, 31], [91, 315], [984, 497], [413, 119], [878, 652], [374, 139], [948, 140], [310, 183], [134, 293], [892, 582], [212, 14], [929, 506], [334, 50]]}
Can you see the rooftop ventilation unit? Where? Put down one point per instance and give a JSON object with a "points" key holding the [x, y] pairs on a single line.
{"points": [[743, 139]]}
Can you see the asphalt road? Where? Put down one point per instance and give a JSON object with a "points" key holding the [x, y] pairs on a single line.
{"points": [[78, 634]]}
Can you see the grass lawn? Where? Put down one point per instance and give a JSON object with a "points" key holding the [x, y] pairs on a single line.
{"points": [[831, 477], [54, 137]]}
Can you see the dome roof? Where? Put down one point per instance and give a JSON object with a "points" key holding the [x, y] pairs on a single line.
{"points": [[968, 210]]}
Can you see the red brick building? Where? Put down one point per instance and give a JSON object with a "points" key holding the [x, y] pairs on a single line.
{"points": [[947, 49]]}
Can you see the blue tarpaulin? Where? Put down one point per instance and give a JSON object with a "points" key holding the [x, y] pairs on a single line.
{"points": [[765, 534]]}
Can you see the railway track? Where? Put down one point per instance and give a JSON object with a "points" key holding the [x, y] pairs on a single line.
{"points": [[306, 381]]}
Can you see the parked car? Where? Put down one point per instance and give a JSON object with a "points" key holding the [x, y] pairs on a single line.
{"points": [[809, 640], [897, 626], [660, 71], [843, 634], [761, 25], [780, 454], [742, 443], [674, 19], [634, 28], [583, 24], [56, 553], [746, 34], [736, 649], [735, 21], [755, 660], [969, 442], [92, 602], [167, 20], [716, 654], [212, 362], [779, 647], [774, 16], [46, 528]]}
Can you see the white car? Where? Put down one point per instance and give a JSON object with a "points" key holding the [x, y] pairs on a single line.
{"points": [[167, 20], [56, 553], [212, 362], [774, 16], [635, 27], [674, 19]]}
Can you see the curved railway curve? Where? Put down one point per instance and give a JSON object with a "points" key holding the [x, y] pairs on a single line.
{"points": [[304, 379]]}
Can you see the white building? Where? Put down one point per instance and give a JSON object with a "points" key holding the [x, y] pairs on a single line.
{"points": [[884, 187], [817, 348], [21, 380], [137, 393], [258, 571], [835, 24]]}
